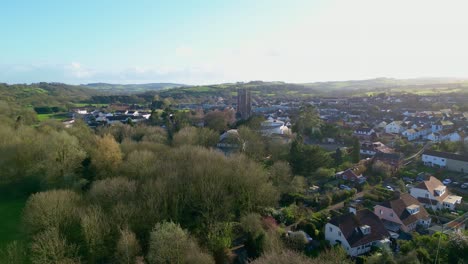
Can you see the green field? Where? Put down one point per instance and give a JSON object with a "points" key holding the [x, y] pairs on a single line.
{"points": [[10, 222], [58, 116]]}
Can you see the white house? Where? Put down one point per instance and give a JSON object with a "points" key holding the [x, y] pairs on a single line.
{"points": [[449, 161], [433, 194], [357, 232], [364, 132], [431, 160], [395, 127]]}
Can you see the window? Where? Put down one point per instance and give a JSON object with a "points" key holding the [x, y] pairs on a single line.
{"points": [[331, 229], [381, 212], [427, 195], [391, 214], [339, 233]]}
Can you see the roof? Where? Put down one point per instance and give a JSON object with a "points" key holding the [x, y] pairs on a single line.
{"points": [[430, 185], [399, 206], [389, 156], [350, 224], [446, 155]]}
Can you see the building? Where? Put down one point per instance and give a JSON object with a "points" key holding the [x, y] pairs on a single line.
{"points": [[352, 175], [441, 125], [244, 103], [357, 231], [403, 213], [433, 194], [372, 148], [449, 161], [395, 127], [365, 133], [273, 126]]}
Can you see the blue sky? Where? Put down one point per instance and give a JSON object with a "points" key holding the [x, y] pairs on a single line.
{"points": [[198, 42]]}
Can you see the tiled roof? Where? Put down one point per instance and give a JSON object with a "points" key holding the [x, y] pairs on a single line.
{"points": [[399, 207], [350, 224], [431, 185]]}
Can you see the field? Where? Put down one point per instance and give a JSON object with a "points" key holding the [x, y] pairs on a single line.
{"points": [[10, 221], [58, 116]]}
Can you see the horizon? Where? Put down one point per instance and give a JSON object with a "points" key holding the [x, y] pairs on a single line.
{"points": [[199, 43], [435, 79]]}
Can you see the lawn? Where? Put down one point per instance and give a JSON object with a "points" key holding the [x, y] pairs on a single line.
{"points": [[58, 116], [10, 212]]}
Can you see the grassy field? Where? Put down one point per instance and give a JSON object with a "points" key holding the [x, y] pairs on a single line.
{"points": [[10, 219], [58, 116]]}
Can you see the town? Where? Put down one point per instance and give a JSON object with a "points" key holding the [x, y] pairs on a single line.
{"points": [[398, 162]]}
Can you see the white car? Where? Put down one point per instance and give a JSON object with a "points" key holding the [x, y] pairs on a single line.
{"points": [[464, 186], [389, 188], [447, 181]]}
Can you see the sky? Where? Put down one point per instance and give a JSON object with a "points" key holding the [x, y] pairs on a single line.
{"points": [[206, 42]]}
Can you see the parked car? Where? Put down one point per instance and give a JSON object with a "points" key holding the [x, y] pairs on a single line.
{"points": [[455, 183], [464, 186], [447, 181], [345, 187], [389, 188]]}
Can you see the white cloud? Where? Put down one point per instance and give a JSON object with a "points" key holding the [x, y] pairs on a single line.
{"points": [[77, 70]]}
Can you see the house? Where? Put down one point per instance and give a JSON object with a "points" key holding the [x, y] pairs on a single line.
{"points": [[364, 132], [450, 161], [357, 231], [351, 175], [441, 125], [433, 194], [372, 148], [395, 127], [450, 136], [403, 213], [434, 136], [411, 134], [381, 125]]}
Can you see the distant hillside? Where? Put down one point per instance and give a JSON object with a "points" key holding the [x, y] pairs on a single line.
{"points": [[39, 94], [281, 90], [131, 88]]}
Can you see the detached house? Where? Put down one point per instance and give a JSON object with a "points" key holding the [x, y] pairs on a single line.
{"points": [[351, 175], [433, 194], [357, 231], [403, 213], [395, 127]]}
